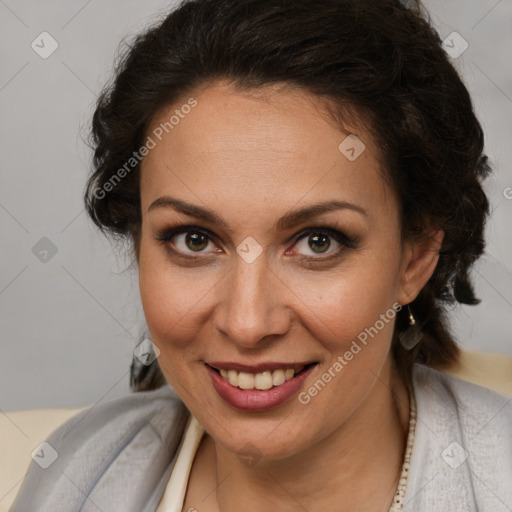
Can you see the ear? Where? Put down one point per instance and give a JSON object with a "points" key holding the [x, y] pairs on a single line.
{"points": [[419, 261]]}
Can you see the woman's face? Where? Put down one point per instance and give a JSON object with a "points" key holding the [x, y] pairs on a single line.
{"points": [[251, 282]]}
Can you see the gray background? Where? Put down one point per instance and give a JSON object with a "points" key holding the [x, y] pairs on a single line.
{"points": [[69, 324]]}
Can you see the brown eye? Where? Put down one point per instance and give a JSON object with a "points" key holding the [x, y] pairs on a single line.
{"points": [[319, 242], [196, 241], [185, 240]]}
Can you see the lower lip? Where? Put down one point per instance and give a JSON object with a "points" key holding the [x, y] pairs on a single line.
{"points": [[255, 399]]}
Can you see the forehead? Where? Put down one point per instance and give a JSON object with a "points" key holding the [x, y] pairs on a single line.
{"points": [[274, 145]]}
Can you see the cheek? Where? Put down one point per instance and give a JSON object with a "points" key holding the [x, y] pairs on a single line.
{"points": [[353, 319], [177, 302], [171, 301], [168, 295], [340, 306]]}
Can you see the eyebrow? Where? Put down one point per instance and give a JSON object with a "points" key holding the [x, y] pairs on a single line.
{"points": [[287, 221]]}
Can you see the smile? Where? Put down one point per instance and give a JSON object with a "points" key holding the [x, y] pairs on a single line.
{"points": [[262, 380], [258, 389]]}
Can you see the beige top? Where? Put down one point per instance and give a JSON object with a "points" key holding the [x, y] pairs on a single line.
{"points": [[174, 494]]}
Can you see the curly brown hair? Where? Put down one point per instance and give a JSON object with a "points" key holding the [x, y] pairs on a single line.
{"points": [[385, 59]]}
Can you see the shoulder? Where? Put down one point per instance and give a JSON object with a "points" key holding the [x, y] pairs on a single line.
{"points": [[112, 454], [436, 385], [481, 415], [463, 445]]}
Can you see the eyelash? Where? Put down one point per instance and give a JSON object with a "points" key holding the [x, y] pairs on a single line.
{"points": [[165, 236]]}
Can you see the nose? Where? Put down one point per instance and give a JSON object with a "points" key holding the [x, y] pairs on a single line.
{"points": [[252, 310]]}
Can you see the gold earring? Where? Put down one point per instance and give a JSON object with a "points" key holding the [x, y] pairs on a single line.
{"points": [[411, 336], [412, 320]]}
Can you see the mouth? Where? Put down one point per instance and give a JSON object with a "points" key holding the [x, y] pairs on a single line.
{"points": [[259, 388], [262, 377]]}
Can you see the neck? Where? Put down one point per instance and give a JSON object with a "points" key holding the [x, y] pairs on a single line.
{"points": [[357, 467]]}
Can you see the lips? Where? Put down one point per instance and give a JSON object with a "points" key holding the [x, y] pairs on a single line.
{"points": [[260, 367], [257, 399]]}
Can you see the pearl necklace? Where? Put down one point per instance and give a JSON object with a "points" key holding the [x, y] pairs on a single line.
{"points": [[398, 501]]}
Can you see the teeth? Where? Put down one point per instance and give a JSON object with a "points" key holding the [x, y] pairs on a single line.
{"points": [[233, 377], [264, 380], [245, 380], [278, 377]]}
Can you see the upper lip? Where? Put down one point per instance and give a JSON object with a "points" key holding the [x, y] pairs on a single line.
{"points": [[255, 368]]}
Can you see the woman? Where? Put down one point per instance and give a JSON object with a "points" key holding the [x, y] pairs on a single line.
{"points": [[301, 182]]}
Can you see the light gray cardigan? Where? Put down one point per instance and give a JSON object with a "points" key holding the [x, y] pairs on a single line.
{"points": [[118, 456], [113, 457]]}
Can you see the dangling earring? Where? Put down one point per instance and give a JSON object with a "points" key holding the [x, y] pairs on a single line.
{"points": [[411, 336], [412, 320]]}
